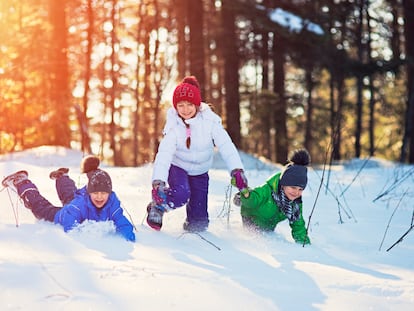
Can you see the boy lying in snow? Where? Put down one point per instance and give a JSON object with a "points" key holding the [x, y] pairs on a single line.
{"points": [[96, 201]]}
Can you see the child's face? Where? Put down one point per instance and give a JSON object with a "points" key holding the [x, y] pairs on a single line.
{"points": [[99, 199], [186, 110], [292, 192]]}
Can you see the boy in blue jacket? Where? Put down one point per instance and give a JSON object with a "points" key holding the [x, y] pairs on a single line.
{"points": [[95, 201]]}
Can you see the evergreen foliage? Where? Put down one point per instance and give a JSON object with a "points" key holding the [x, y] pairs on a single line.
{"points": [[98, 75]]}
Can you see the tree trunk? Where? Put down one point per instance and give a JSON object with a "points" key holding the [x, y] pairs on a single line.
{"points": [[359, 82], [59, 90], [83, 119], [181, 6], [336, 114], [112, 125], [266, 101], [371, 128], [309, 111], [231, 72], [408, 142], [281, 138], [197, 59], [265, 60]]}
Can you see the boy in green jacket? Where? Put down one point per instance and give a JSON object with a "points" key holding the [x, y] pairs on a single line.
{"points": [[279, 198]]}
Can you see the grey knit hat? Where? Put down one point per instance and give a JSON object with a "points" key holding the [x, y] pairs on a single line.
{"points": [[99, 181]]}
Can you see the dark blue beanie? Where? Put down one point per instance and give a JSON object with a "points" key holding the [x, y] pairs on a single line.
{"points": [[294, 175]]}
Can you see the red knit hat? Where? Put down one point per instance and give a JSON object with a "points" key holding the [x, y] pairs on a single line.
{"points": [[187, 90]]}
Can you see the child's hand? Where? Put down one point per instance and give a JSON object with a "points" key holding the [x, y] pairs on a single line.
{"points": [[158, 192], [239, 180], [237, 199], [157, 184], [129, 236]]}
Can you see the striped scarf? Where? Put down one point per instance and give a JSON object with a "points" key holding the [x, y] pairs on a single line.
{"points": [[291, 209]]}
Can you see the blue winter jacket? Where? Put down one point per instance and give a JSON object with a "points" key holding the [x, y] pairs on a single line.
{"points": [[81, 208]]}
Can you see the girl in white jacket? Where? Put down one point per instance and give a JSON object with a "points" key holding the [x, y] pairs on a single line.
{"points": [[185, 155]]}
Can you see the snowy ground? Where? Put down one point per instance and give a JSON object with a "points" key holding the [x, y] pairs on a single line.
{"points": [[347, 267]]}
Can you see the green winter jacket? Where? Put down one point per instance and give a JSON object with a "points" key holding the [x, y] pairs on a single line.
{"points": [[261, 209]]}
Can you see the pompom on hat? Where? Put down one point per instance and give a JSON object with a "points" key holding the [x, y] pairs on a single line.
{"points": [[296, 172], [89, 163], [187, 90]]}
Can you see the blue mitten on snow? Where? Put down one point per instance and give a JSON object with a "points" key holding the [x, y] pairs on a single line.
{"points": [[129, 236]]}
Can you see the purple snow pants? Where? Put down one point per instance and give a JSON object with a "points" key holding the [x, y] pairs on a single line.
{"points": [[192, 190], [39, 205]]}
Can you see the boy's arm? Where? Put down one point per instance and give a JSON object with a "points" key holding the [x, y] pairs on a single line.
{"points": [[299, 233]]}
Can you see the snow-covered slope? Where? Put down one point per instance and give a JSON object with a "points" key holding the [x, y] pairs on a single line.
{"points": [[347, 266]]}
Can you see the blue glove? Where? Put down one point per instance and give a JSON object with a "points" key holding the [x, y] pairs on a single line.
{"points": [[129, 236]]}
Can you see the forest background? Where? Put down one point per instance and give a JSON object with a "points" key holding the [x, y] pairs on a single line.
{"points": [[333, 76]]}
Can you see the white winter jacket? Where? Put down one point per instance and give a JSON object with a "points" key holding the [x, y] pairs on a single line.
{"points": [[207, 132]]}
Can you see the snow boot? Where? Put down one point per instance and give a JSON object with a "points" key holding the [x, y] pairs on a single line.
{"points": [[154, 218], [14, 179], [63, 171], [199, 226]]}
